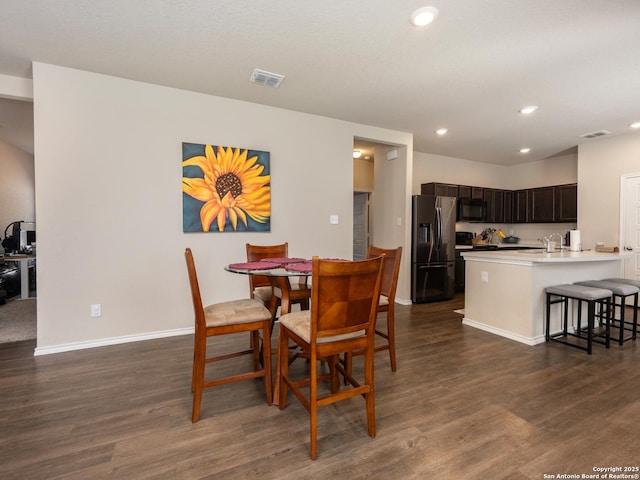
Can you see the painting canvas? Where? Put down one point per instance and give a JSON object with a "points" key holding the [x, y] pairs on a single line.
{"points": [[225, 189]]}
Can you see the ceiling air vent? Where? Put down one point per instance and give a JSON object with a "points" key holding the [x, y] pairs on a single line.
{"points": [[266, 78], [599, 133]]}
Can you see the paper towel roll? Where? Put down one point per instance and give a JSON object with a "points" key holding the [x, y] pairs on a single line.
{"points": [[575, 244]]}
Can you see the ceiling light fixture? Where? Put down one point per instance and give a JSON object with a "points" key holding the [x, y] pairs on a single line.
{"points": [[528, 110], [635, 125], [442, 131], [525, 150], [423, 16], [357, 154]]}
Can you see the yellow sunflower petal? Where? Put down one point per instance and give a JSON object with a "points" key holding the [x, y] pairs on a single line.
{"points": [[198, 161], [208, 212], [241, 215], [233, 216], [197, 188], [222, 218]]}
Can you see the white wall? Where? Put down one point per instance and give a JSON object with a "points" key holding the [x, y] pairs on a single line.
{"points": [[362, 175], [555, 170], [17, 189], [109, 201], [601, 164]]}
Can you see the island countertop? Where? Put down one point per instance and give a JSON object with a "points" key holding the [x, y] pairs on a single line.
{"points": [[540, 256], [505, 289]]}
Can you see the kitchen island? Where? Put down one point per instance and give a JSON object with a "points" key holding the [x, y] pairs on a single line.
{"points": [[504, 290]]}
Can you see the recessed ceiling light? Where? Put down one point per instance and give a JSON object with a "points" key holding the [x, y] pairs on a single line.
{"points": [[528, 110], [442, 131], [357, 154], [525, 150], [423, 16], [635, 125]]}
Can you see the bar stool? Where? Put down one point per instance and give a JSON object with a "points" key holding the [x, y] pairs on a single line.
{"points": [[620, 292], [580, 293], [634, 324]]}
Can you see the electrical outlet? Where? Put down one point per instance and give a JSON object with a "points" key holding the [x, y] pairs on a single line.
{"points": [[96, 310], [333, 219], [484, 277]]}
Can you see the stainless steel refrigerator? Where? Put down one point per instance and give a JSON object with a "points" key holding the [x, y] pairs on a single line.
{"points": [[433, 248]]}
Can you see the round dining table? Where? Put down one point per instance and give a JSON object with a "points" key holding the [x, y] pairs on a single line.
{"points": [[279, 272]]}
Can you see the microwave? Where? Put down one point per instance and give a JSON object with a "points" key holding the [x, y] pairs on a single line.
{"points": [[471, 210]]}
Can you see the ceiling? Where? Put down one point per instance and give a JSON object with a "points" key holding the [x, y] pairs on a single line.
{"points": [[361, 61]]}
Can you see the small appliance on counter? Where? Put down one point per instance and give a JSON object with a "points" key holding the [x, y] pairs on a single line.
{"points": [[464, 238]]}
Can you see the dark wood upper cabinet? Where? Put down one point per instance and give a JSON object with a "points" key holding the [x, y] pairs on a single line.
{"points": [[540, 205], [558, 203], [508, 206], [466, 191], [519, 206], [566, 203], [494, 199], [440, 189]]}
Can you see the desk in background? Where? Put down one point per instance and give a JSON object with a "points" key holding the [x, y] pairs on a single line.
{"points": [[25, 262]]}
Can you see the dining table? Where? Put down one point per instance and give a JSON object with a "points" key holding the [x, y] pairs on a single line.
{"points": [[279, 271]]}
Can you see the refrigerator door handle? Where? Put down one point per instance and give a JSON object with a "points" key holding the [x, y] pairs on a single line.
{"points": [[438, 228]]}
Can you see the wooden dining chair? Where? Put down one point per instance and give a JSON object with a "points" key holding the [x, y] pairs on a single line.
{"points": [[387, 301], [235, 316], [283, 293], [344, 297]]}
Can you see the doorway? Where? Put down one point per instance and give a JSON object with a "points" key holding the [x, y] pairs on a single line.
{"points": [[361, 212], [630, 224]]}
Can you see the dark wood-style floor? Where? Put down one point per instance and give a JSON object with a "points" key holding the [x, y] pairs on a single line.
{"points": [[464, 404]]}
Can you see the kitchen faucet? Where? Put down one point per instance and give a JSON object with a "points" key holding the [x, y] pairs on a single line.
{"points": [[547, 242], [560, 237]]}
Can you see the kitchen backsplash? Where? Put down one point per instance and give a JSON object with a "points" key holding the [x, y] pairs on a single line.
{"points": [[527, 232]]}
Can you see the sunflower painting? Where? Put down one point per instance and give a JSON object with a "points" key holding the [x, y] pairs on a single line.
{"points": [[225, 189]]}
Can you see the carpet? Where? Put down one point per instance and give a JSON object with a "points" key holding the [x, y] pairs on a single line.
{"points": [[17, 320], [461, 311]]}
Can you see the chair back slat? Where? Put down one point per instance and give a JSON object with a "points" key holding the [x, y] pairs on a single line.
{"points": [[198, 309], [392, 259], [344, 296], [255, 253]]}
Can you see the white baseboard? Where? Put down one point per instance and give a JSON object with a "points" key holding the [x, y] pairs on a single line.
{"points": [[68, 347], [504, 333]]}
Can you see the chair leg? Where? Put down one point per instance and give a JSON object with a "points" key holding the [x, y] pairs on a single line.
{"points": [[313, 406], [348, 364], [392, 339], [266, 360], [370, 396], [283, 361], [197, 380]]}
